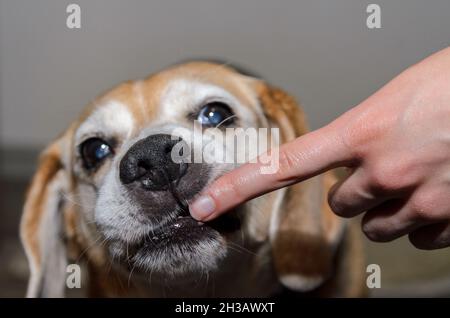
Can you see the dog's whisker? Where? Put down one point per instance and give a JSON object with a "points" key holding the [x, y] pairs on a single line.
{"points": [[72, 200], [213, 286], [111, 261], [128, 257], [241, 251], [87, 248], [91, 222], [241, 229], [151, 240], [131, 273], [225, 120], [241, 248], [150, 276], [207, 280]]}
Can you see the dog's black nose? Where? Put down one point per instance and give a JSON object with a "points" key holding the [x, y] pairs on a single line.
{"points": [[149, 162]]}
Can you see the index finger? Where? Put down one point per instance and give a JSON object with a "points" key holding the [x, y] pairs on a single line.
{"points": [[300, 159]]}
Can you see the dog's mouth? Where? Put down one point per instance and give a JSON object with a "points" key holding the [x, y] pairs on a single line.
{"points": [[185, 227], [185, 230], [183, 245]]}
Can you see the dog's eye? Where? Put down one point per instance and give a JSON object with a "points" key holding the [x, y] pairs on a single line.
{"points": [[94, 151], [215, 114]]}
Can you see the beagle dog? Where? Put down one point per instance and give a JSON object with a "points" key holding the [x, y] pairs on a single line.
{"points": [[106, 195]]}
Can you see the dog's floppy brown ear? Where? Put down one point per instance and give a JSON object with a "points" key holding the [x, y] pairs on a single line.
{"points": [[304, 232], [42, 226]]}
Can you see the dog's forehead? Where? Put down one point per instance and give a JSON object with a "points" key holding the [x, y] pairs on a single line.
{"points": [[142, 99]]}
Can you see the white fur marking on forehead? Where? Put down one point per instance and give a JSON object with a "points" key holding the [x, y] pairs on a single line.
{"points": [[112, 118], [137, 92], [186, 95]]}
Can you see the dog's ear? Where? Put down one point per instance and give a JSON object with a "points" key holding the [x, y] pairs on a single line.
{"points": [[304, 233], [42, 225]]}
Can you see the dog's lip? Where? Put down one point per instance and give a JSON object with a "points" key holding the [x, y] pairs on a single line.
{"points": [[186, 220], [176, 231], [186, 225]]}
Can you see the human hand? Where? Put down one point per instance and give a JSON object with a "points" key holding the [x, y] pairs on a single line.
{"points": [[396, 144]]}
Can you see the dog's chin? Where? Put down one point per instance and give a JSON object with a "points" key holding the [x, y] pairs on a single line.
{"points": [[182, 248]]}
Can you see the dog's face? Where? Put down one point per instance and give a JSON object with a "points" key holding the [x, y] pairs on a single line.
{"points": [[113, 178], [137, 195]]}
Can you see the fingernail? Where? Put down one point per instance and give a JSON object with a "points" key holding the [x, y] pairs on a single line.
{"points": [[203, 207]]}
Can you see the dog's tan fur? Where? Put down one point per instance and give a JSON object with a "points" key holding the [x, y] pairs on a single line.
{"points": [[309, 242]]}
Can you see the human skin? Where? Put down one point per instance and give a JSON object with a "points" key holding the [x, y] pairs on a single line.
{"points": [[396, 144]]}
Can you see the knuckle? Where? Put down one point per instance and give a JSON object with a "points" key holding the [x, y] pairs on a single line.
{"points": [[422, 208], [287, 165], [226, 185], [419, 213], [384, 179], [349, 139], [429, 203], [388, 176]]}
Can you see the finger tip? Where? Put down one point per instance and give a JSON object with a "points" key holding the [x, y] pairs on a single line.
{"points": [[202, 208]]}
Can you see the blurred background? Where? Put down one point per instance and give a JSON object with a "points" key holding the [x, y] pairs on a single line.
{"points": [[320, 51]]}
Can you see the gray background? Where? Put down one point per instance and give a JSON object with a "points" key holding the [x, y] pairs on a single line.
{"points": [[319, 50]]}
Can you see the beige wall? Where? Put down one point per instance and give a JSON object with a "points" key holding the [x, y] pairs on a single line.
{"points": [[319, 50]]}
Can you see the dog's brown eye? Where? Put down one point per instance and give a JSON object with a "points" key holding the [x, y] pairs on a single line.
{"points": [[216, 114], [93, 151]]}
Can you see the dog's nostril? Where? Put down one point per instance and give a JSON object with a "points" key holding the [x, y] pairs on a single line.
{"points": [[168, 149], [154, 180], [141, 172], [143, 168]]}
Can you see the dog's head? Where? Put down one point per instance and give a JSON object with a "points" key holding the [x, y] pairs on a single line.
{"points": [[117, 183]]}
